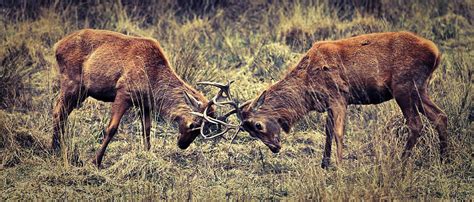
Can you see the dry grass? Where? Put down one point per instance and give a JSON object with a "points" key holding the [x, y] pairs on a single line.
{"points": [[207, 40]]}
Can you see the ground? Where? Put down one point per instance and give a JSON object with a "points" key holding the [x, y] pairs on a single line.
{"points": [[253, 43]]}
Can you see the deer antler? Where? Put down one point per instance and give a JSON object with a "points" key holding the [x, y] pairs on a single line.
{"points": [[224, 92]]}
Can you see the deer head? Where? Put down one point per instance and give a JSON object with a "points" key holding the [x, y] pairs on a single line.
{"points": [[262, 124], [189, 125]]}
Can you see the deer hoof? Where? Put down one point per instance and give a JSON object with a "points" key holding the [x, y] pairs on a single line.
{"points": [[325, 163]]}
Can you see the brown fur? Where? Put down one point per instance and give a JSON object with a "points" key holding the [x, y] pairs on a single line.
{"points": [[366, 69], [128, 71]]}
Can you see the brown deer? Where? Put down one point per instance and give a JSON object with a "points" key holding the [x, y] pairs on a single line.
{"points": [[366, 69], [128, 71]]}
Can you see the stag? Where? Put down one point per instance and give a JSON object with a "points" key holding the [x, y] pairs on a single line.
{"points": [[366, 69], [127, 71]]}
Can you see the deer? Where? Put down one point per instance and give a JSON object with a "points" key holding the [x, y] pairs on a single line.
{"points": [[130, 72], [361, 70]]}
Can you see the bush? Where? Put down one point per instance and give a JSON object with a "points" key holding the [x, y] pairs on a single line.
{"points": [[449, 26], [361, 25], [17, 141], [271, 61], [191, 66], [17, 66]]}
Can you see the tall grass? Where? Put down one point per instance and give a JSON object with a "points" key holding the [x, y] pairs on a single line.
{"points": [[253, 43]]}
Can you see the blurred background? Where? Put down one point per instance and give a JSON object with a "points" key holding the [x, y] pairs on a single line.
{"points": [[253, 43]]}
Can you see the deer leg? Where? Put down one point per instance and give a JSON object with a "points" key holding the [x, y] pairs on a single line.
{"points": [[407, 103], [439, 119], [327, 147], [339, 115], [60, 114], [119, 107], [334, 128], [65, 103], [146, 127]]}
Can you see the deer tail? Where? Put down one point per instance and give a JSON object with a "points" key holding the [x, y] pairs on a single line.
{"points": [[437, 61]]}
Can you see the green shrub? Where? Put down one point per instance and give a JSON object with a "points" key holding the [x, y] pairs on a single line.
{"points": [[271, 61]]}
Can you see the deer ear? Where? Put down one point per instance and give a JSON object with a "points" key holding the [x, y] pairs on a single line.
{"points": [[284, 125], [260, 101], [192, 101]]}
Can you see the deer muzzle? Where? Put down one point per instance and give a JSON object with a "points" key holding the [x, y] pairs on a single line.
{"points": [[273, 145]]}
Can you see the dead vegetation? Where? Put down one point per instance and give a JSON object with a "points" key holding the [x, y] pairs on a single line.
{"points": [[207, 40]]}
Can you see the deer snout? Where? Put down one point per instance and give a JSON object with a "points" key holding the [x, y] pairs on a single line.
{"points": [[274, 147], [188, 134], [184, 142], [273, 144]]}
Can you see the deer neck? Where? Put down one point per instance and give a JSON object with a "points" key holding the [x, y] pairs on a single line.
{"points": [[169, 100], [286, 100]]}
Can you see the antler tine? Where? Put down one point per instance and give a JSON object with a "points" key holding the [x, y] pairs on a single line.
{"points": [[203, 125], [204, 115], [235, 134], [201, 130], [219, 85], [217, 121], [232, 103], [218, 134], [225, 116], [236, 109], [223, 89]]}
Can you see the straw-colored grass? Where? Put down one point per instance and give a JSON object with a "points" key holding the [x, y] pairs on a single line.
{"points": [[253, 43]]}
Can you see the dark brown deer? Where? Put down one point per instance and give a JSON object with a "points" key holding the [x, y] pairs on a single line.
{"points": [[128, 71], [366, 69]]}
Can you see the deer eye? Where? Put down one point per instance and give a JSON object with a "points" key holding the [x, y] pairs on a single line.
{"points": [[258, 126], [193, 125]]}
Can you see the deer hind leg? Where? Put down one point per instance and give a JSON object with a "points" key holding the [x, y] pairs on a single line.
{"points": [[407, 103], [334, 128], [327, 147], [438, 118], [119, 107], [146, 127], [69, 98]]}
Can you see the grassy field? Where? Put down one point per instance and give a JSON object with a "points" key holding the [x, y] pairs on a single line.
{"points": [[253, 43]]}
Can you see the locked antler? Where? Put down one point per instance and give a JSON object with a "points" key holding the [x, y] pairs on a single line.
{"points": [[224, 92]]}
